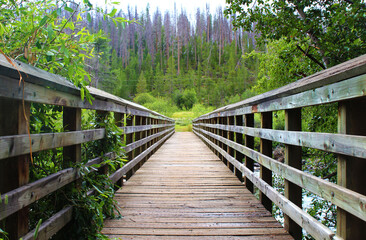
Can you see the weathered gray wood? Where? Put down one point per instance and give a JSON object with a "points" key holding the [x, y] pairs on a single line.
{"points": [[52, 225], [266, 149], [35, 93], [347, 199], [249, 143], [132, 146], [351, 170], [341, 72], [351, 145], [345, 90], [120, 122], [240, 140], [14, 172], [132, 129], [129, 140], [35, 76], [31, 192], [230, 136], [293, 158], [16, 145], [46, 88], [311, 225], [218, 132], [143, 135], [177, 205], [102, 117], [71, 122], [127, 167], [133, 108], [55, 223]]}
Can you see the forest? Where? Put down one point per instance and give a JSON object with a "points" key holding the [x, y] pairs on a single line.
{"points": [[169, 56], [183, 65]]}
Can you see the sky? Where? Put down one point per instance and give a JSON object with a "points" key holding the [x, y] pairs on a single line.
{"points": [[189, 5]]}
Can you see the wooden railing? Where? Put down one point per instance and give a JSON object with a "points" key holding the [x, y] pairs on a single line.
{"points": [[143, 130], [230, 133]]}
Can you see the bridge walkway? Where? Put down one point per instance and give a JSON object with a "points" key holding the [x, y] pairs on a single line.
{"points": [[184, 191]]}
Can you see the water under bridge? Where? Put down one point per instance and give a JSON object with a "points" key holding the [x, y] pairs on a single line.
{"points": [[200, 185]]}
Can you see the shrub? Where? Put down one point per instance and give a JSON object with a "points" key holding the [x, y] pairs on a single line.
{"points": [[189, 98], [144, 98]]}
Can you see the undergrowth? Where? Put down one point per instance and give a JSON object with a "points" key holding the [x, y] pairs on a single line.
{"points": [[89, 210]]}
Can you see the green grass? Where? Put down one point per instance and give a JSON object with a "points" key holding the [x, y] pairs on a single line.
{"points": [[179, 128], [183, 119]]}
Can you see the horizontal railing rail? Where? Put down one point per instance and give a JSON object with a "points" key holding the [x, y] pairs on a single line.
{"points": [[230, 132], [144, 131]]}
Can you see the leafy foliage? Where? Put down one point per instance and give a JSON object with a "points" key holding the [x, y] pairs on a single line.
{"points": [[280, 66], [185, 100], [312, 25], [53, 35], [159, 104]]}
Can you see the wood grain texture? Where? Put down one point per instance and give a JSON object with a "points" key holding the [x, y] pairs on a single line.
{"points": [[185, 192], [16, 145], [347, 70], [36, 77], [31, 192], [352, 145], [310, 224], [347, 199]]}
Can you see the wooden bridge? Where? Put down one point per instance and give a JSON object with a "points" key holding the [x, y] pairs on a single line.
{"points": [[174, 186], [180, 194]]}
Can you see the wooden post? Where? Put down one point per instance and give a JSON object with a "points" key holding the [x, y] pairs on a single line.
{"points": [[217, 132], [293, 159], [71, 154], [153, 122], [266, 149], [230, 136], [249, 142], [118, 118], [224, 135], [137, 137], [14, 172], [240, 140], [142, 136], [71, 122], [101, 116], [129, 139], [214, 131], [148, 133], [212, 121], [351, 170], [221, 145]]}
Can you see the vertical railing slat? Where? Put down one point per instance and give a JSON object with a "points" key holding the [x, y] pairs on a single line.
{"points": [[239, 139], [249, 142], [102, 116], [351, 170], [293, 159], [119, 120], [14, 172], [266, 149], [230, 136], [129, 139]]}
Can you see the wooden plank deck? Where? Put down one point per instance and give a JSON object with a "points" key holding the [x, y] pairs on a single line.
{"points": [[185, 192]]}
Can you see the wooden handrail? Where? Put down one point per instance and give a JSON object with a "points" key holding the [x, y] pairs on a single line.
{"points": [[229, 131], [145, 131]]}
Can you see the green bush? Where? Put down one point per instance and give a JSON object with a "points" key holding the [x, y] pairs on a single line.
{"points": [[144, 98], [162, 106], [185, 100], [189, 98], [200, 109]]}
